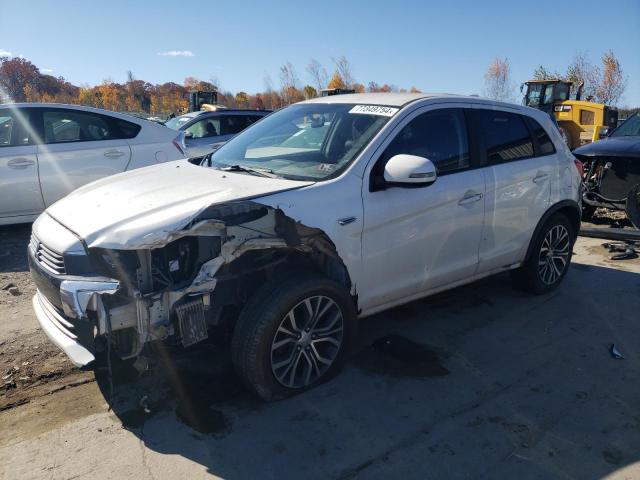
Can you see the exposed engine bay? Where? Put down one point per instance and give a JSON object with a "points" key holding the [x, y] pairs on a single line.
{"points": [[613, 183], [196, 279]]}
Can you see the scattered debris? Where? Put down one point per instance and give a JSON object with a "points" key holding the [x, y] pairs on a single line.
{"points": [[615, 353], [623, 250], [8, 286], [15, 291]]}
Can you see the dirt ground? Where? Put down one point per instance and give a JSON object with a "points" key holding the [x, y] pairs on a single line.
{"points": [[480, 382]]}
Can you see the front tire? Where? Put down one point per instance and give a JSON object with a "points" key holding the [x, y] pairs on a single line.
{"points": [[550, 256], [292, 335]]}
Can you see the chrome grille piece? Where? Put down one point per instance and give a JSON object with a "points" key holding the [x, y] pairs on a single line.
{"points": [[52, 261]]}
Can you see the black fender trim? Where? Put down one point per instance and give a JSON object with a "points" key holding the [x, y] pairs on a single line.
{"points": [[562, 205]]}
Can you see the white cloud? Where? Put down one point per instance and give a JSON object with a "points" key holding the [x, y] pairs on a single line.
{"points": [[177, 53], [46, 70], [4, 53]]}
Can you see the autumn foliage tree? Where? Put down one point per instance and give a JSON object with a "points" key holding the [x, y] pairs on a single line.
{"points": [[497, 80], [21, 80], [613, 81], [605, 84]]}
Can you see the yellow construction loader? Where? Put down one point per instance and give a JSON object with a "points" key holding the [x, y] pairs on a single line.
{"points": [[581, 121]]}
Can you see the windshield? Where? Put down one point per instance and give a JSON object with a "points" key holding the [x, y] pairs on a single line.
{"points": [[312, 141], [630, 127], [177, 122]]}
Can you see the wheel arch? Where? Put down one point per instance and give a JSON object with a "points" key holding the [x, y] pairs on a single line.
{"points": [[569, 208]]}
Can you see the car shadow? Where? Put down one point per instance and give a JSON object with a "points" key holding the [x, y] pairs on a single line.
{"points": [[14, 241], [482, 381]]}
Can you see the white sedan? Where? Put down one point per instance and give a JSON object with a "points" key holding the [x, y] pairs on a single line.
{"points": [[49, 150]]}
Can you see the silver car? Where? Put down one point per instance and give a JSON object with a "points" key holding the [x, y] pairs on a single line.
{"points": [[48, 150], [207, 131]]}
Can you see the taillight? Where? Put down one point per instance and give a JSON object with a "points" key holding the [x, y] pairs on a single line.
{"points": [[580, 167]]}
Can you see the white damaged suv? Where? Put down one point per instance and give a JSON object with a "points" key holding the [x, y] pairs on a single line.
{"points": [[323, 213]]}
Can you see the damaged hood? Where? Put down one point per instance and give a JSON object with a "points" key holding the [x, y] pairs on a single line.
{"points": [[611, 147], [139, 209]]}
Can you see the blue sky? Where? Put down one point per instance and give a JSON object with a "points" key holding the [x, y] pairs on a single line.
{"points": [[442, 46]]}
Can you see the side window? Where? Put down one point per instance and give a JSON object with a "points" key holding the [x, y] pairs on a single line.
{"points": [[128, 129], [545, 145], [440, 136], [207, 127], [7, 127], [506, 137], [61, 126], [232, 124], [252, 119]]}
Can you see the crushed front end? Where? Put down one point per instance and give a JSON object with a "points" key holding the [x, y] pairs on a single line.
{"points": [[174, 285]]}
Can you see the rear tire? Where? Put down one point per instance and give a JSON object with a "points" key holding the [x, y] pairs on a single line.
{"points": [[292, 335], [549, 258]]}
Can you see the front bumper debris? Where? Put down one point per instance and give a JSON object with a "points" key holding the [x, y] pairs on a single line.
{"points": [[60, 331]]}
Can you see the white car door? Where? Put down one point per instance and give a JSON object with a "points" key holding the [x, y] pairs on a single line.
{"points": [[78, 147], [418, 239], [518, 184], [19, 188]]}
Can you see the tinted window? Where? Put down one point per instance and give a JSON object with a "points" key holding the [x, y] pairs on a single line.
{"points": [[128, 129], [62, 126], [232, 124], [6, 128], [440, 136], [545, 145], [506, 137]]}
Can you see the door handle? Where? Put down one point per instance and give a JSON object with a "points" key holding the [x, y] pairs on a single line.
{"points": [[20, 163], [346, 220], [113, 154], [540, 177], [470, 197]]}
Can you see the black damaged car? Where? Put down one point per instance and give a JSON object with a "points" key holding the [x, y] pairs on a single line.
{"points": [[612, 171]]}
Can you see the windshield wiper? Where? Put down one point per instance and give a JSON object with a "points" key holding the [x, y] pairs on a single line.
{"points": [[261, 172]]}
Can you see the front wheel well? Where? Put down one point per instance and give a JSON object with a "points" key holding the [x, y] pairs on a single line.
{"points": [[239, 280]]}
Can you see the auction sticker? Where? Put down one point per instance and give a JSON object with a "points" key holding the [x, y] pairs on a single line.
{"points": [[374, 110]]}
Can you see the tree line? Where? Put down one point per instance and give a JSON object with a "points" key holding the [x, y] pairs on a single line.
{"points": [[22, 81], [604, 83]]}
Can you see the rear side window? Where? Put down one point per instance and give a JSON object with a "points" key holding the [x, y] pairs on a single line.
{"points": [[128, 129], [545, 145], [232, 124], [506, 137], [62, 126], [439, 135]]}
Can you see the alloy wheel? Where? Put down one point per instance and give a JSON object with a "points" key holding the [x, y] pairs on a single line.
{"points": [[307, 342], [554, 254]]}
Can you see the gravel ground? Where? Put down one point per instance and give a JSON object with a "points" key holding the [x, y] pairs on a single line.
{"points": [[481, 382]]}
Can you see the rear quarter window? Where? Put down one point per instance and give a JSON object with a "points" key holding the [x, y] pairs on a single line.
{"points": [[128, 129], [545, 145], [505, 136]]}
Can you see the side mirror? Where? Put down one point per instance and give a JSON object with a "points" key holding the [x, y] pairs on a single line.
{"points": [[604, 132], [188, 134], [409, 171]]}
